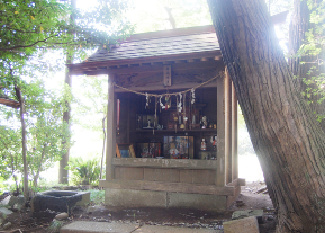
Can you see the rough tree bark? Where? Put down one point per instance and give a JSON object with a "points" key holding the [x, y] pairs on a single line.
{"points": [[63, 173], [285, 134], [297, 36], [103, 150], [39, 168]]}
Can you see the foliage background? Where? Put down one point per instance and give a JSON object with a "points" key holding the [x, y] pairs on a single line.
{"points": [[89, 93]]}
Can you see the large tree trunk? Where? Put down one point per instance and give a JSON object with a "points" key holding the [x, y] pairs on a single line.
{"points": [[103, 150], [23, 141], [297, 36], [39, 168], [284, 132], [63, 173]]}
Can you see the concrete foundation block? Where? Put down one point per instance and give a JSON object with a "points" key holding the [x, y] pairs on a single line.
{"points": [[134, 198], [19, 200], [197, 201], [232, 199], [148, 198], [246, 225]]}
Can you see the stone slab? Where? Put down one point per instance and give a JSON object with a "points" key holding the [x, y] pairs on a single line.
{"points": [[93, 227], [168, 229], [5, 201], [117, 227], [246, 225], [5, 211]]}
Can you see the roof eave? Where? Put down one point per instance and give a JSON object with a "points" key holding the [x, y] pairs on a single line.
{"points": [[84, 67]]}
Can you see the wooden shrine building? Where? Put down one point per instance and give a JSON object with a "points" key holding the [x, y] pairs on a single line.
{"points": [[172, 121]]}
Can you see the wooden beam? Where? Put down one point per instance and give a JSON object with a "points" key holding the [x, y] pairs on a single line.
{"points": [[175, 67], [168, 187], [204, 59], [102, 67], [174, 87], [81, 67], [179, 61], [166, 163]]}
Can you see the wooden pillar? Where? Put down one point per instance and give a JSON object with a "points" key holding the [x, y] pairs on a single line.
{"points": [[128, 118], [228, 127], [234, 134], [111, 127], [221, 167]]}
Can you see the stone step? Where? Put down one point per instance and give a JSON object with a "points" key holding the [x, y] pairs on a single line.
{"points": [[116, 227]]}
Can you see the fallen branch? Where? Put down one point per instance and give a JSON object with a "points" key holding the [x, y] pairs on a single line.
{"points": [[261, 190], [9, 102]]}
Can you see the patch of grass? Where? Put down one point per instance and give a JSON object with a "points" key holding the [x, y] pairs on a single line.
{"points": [[55, 227], [39, 189], [97, 196]]}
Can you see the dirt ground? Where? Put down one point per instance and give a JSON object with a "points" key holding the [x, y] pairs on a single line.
{"points": [[248, 200]]}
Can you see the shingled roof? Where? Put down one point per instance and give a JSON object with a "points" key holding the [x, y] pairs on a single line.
{"points": [[166, 46], [174, 45], [161, 43]]}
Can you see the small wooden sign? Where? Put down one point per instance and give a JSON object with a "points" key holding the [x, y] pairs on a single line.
{"points": [[167, 75]]}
